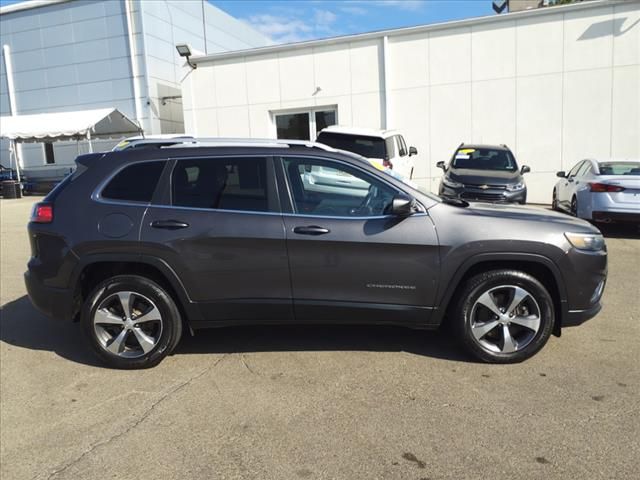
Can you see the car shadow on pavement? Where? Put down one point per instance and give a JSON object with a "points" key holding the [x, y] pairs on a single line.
{"points": [[286, 338], [21, 325], [620, 230]]}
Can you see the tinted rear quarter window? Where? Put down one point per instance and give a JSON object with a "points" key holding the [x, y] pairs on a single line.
{"points": [[135, 183]]}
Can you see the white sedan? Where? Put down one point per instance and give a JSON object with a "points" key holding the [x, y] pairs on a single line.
{"points": [[600, 191]]}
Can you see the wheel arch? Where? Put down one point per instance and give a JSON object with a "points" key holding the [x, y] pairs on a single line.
{"points": [[538, 266], [96, 268]]}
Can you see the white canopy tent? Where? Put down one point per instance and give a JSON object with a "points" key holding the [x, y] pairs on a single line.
{"points": [[59, 126]]}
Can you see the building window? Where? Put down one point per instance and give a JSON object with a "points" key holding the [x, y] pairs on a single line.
{"points": [[48, 153], [304, 125]]}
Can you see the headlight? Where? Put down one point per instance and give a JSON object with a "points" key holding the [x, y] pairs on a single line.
{"points": [[516, 187], [592, 242], [451, 184]]}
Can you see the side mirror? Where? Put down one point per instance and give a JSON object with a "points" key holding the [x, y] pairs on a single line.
{"points": [[402, 205], [525, 169], [413, 151], [561, 174], [440, 164]]}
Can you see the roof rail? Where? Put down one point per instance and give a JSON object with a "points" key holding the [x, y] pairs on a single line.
{"points": [[195, 142], [246, 142]]}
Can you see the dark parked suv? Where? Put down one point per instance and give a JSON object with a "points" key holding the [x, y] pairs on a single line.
{"points": [[485, 173], [141, 245]]}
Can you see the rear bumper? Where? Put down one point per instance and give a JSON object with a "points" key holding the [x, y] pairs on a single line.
{"points": [[624, 217], [53, 302]]}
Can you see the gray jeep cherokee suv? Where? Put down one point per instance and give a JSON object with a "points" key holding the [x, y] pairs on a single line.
{"points": [[140, 245]]}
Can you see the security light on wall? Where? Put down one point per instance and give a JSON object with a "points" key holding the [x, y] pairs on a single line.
{"points": [[184, 50]]}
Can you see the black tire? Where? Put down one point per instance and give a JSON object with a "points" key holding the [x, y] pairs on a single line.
{"points": [[574, 206], [554, 200], [527, 341], [141, 289]]}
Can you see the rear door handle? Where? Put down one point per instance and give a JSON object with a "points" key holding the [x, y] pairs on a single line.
{"points": [[311, 230], [169, 224]]}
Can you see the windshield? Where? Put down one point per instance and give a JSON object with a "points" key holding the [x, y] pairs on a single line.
{"points": [[619, 168], [370, 147], [484, 159]]}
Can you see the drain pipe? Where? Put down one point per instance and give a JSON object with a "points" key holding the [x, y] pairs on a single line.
{"points": [[385, 82], [134, 64], [16, 147]]}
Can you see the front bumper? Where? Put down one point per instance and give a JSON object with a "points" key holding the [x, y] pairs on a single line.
{"points": [[573, 318], [585, 278], [476, 194], [53, 302]]}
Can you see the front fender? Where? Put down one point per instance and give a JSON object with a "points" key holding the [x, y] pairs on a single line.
{"points": [[494, 260]]}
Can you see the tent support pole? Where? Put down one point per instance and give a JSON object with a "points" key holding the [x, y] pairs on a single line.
{"points": [[14, 153], [90, 144]]}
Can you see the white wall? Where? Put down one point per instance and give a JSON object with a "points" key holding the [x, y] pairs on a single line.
{"points": [[75, 56], [556, 86]]}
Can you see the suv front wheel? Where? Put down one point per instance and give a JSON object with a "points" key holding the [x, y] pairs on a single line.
{"points": [[504, 316], [131, 322]]}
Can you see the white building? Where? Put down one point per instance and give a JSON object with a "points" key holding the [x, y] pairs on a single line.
{"points": [[70, 55], [555, 84]]}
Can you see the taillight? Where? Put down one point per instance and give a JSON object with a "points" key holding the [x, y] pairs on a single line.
{"points": [[605, 187], [42, 213]]}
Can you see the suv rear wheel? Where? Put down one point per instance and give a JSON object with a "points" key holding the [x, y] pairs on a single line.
{"points": [[131, 322], [504, 316]]}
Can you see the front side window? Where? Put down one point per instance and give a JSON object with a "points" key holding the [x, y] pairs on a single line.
{"points": [[584, 169], [484, 159], [326, 188], [402, 147], [135, 183], [573, 172], [221, 183]]}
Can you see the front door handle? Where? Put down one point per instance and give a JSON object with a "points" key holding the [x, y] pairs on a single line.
{"points": [[311, 230], [169, 224]]}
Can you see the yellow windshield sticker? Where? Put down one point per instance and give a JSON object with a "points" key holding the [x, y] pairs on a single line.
{"points": [[378, 165], [467, 150]]}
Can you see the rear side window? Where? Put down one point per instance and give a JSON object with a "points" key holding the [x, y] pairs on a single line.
{"points": [[221, 183], [135, 183]]}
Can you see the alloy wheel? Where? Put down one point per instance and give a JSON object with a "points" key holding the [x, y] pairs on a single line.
{"points": [[127, 324], [505, 319]]}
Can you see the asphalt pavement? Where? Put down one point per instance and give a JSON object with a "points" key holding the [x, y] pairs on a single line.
{"points": [[319, 402]]}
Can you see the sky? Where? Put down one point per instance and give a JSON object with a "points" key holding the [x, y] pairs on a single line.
{"points": [[298, 20]]}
